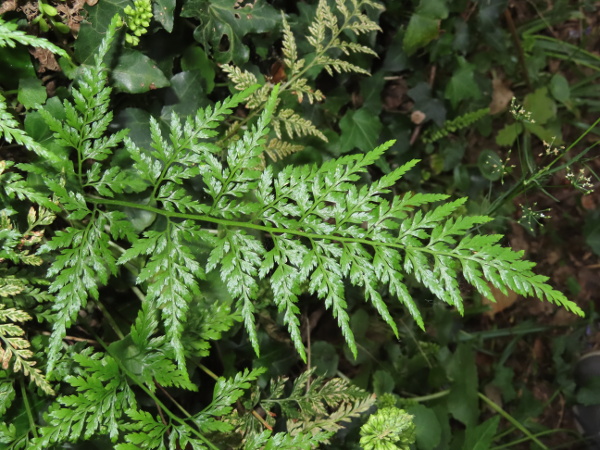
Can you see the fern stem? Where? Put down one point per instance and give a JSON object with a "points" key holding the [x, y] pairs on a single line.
{"points": [[273, 230], [32, 425], [110, 319], [175, 402], [511, 419], [207, 371]]}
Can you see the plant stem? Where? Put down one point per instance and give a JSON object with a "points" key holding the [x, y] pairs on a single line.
{"points": [[426, 398], [512, 420], [32, 425]]}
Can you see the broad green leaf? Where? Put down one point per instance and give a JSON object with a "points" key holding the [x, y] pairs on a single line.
{"points": [[16, 64], [490, 165], [163, 12], [541, 106], [424, 24], [482, 436], [185, 95], [421, 31], [92, 31], [31, 92], [136, 73], [359, 129], [429, 429], [559, 88], [508, 135], [194, 58], [462, 85], [383, 382], [462, 400]]}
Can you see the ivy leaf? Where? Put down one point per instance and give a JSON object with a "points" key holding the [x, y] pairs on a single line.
{"points": [[136, 73], [163, 12], [360, 129], [31, 92], [223, 19], [424, 24], [462, 85]]}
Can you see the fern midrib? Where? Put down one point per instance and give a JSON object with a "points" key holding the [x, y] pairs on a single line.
{"points": [[311, 236]]}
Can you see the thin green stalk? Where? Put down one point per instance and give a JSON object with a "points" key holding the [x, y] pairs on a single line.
{"points": [[512, 420], [111, 320], [525, 439], [209, 372], [427, 398], [32, 425], [526, 183]]}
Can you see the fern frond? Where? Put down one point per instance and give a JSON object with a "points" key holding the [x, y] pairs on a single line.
{"points": [[278, 150], [10, 130], [10, 36], [294, 124], [454, 125], [102, 395], [14, 347], [319, 407]]}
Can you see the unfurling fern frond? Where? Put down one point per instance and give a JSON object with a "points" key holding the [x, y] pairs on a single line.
{"points": [[388, 429]]}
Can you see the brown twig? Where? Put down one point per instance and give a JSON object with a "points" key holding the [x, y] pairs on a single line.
{"points": [[517, 41]]}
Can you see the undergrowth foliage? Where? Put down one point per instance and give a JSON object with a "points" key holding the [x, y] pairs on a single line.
{"points": [[312, 229]]}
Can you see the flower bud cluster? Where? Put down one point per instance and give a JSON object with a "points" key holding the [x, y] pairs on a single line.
{"points": [[137, 20]]}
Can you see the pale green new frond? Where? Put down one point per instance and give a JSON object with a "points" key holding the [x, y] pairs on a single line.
{"points": [[289, 49], [242, 79], [14, 348], [277, 149], [296, 125]]}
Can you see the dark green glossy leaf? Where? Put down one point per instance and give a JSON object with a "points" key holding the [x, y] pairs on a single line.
{"points": [[136, 73], [223, 25], [194, 58], [91, 32], [185, 95], [163, 12], [31, 92], [360, 129]]}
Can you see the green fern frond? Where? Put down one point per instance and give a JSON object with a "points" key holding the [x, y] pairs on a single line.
{"points": [[103, 394], [325, 231], [452, 126], [10, 36]]}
